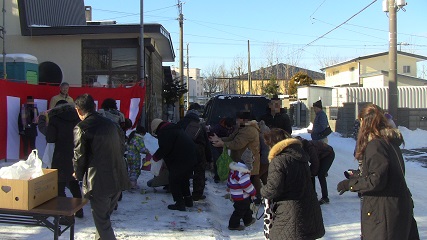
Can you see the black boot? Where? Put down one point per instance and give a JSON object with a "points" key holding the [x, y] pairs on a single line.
{"points": [[179, 205], [188, 201], [176, 206]]}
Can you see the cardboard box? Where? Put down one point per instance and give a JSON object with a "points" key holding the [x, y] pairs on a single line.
{"points": [[27, 194]]}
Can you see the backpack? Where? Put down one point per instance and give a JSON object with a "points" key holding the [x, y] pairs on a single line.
{"points": [[193, 130]]}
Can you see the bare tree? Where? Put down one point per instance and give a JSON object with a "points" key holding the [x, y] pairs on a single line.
{"points": [[325, 59], [210, 84], [239, 67]]}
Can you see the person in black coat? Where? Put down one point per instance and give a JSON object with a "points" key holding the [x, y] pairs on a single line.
{"points": [[27, 125], [387, 206], [276, 117], [224, 128], [62, 120], [200, 138], [178, 151], [99, 146], [321, 158], [297, 213]]}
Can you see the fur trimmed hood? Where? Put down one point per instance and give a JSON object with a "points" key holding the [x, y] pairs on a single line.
{"points": [[392, 135], [253, 123], [280, 146]]}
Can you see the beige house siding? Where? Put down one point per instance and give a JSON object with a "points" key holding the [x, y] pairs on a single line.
{"points": [[348, 74], [341, 75], [65, 51]]}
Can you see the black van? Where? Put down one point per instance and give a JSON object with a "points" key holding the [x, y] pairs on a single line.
{"points": [[227, 105]]}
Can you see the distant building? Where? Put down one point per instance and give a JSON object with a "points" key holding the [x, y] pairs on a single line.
{"points": [[372, 71], [281, 72], [195, 88]]}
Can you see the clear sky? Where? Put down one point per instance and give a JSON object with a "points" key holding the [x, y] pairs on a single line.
{"points": [[287, 31]]}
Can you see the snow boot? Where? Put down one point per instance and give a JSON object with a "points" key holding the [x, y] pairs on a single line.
{"points": [[188, 201]]}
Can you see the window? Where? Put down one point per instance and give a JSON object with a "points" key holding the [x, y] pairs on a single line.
{"points": [[406, 69], [110, 62]]}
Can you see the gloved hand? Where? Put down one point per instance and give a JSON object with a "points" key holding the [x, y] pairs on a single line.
{"points": [[343, 186]]}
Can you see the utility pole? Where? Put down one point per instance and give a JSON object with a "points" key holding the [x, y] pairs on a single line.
{"points": [[181, 57], [144, 116], [141, 42], [392, 55], [249, 69], [188, 80], [3, 36]]}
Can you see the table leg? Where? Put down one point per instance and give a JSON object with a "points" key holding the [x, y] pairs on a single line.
{"points": [[72, 229], [56, 230]]}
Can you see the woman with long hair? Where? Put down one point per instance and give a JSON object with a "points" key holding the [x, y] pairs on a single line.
{"points": [[387, 207]]}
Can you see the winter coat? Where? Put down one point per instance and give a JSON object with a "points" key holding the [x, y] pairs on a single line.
{"points": [[246, 136], [202, 141], [98, 156], [27, 125], [320, 123], [135, 147], [239, 182], [62, 120], [317, 150], [279, 120], [176, 148], [387, 207], [297, 211]]}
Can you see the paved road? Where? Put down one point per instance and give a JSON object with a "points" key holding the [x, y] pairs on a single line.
{"points": [[416, 155]]}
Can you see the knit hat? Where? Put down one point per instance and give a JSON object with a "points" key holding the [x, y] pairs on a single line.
{"points": [[155, 124], [248, 158], [318, 104]]}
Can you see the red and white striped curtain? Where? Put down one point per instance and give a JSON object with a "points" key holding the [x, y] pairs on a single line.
{"points": [[12, 95]]}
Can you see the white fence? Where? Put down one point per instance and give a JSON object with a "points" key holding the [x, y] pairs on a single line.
{"points": [[408, 97]]}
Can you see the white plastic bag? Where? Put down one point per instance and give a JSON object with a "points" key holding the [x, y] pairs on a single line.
{"points": [[48, 155], [156, 166], [24, 170]]}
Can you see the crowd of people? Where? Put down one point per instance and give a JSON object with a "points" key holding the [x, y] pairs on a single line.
{"points": [[269, 166]]}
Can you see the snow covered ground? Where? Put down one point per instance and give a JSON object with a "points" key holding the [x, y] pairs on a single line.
{"points": [[144, 215]]}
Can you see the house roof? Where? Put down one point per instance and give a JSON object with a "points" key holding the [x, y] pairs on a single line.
{"points": [[417, 57], [282, 71], [67, 17]]}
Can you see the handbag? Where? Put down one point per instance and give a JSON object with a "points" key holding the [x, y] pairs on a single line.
{"points": [[325, 132], [223, 164]]}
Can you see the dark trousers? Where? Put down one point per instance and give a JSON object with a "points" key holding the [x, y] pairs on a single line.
{"points": [[242, 210], [179, 186], [325, 164], [257, 184], [199, 179], [28, 141], [102, 208], [263, 172], [74, 187]]}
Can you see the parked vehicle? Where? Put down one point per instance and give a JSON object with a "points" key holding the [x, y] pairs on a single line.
{"points": [[227, 105]]}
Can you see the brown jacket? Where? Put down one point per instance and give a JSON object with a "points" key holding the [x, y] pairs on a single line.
{"points": [[245, 137]]}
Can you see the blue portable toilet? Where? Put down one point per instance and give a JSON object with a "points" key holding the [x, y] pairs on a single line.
{"points": [[21, 67]]}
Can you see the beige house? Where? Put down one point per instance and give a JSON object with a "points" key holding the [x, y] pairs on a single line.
{"points": [[372, 71], [281, 72], [70, 47]]}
